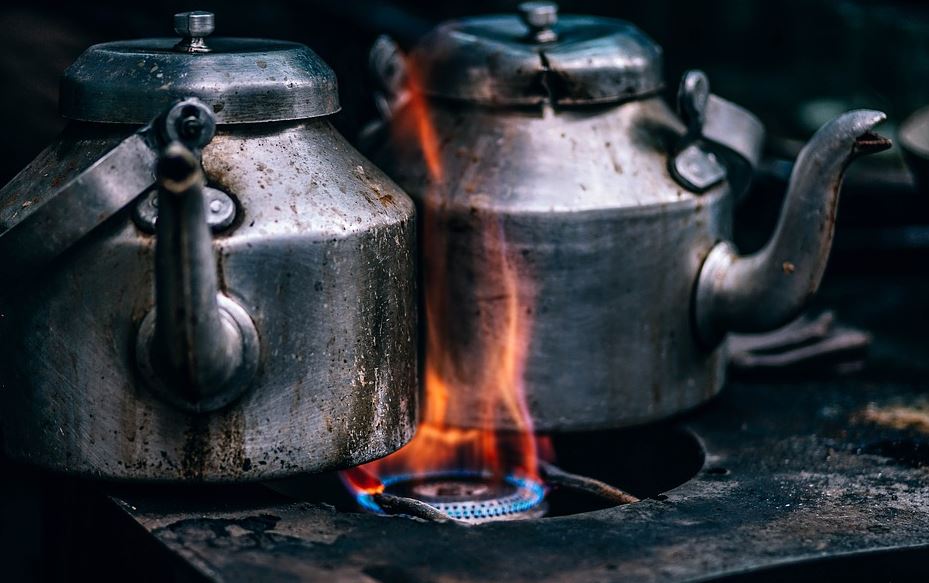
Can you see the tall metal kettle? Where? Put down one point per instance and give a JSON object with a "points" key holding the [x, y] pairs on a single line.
{"points": [[616, 212], [202, 280]]}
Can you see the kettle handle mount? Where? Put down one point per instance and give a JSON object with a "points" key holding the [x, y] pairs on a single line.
{"points": [[198, 348]]}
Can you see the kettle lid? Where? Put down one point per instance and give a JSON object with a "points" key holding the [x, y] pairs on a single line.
{"points": [[538, 57], [244, 80]]}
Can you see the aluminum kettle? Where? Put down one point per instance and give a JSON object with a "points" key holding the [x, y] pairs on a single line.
{"points": [[202, 279], [613, 211]]}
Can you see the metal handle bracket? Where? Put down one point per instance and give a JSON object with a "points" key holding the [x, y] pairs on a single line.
{"points": [[723, 141], [99, 192]]}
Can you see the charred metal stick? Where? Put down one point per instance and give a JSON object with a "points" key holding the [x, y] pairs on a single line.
{"points": [[558, 477], [799, 332], [845, 344], [392, 504]]}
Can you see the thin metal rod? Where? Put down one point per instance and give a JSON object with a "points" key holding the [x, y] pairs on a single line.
{"points": [[555, 476], [392, 504]]}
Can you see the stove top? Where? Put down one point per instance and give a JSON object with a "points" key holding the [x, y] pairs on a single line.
{"points": [[778, 479]]}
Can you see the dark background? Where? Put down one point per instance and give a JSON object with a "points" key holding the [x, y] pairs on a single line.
{"points": [[796, 63]]}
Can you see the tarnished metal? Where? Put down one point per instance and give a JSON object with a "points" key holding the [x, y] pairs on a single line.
{"points": [[780, 492], [244, 80], [322, 259], [694, 168], [538, 57], [403, 506], [194, 27], [606, 244], [611, 247], [318, 268], [722, 140], [199, 348], [769, 288], [35, 230]]}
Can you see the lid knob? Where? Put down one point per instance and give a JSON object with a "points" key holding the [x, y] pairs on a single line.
{"points": [[540, 17], [194, 27]]}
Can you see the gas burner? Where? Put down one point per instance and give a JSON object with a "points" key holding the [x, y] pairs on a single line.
{"points": [[467, 496], [596, 470]]}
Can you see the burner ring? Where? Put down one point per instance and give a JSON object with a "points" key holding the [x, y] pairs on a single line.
{"points": [[471, 497]]}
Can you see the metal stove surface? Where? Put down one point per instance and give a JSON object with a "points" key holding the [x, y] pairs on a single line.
{"points": [[801, 479]]}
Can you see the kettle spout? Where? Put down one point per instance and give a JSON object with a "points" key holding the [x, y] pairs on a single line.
{"points": [[198, 347], [767, 289]]}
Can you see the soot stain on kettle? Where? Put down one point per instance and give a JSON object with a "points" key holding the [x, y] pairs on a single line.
{"points": [[231, 442], [225, 455], [196, 447], [368, 345], [129, 426]]}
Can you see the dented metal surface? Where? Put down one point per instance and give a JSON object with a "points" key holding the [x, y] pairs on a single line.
{"points": [[322, 258], [608, 243], [501, 60], [244, 80], [284, 344]]}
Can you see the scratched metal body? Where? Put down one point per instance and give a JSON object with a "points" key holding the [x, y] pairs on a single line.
{"points": [[285, 340], [322, 259], [608, 205], [608, 243]]}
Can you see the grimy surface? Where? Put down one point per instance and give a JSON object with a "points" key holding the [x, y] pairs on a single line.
{"points": [[795, 470]]}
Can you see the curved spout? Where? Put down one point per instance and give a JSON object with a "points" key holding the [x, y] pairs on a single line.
{"points": [[767, 289], [198, 347]]}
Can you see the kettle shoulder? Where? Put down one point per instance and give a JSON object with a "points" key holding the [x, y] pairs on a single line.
{"points": [[583, 159], [303, 180]]}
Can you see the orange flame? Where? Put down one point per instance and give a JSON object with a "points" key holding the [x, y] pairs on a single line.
{"points": [[492, 373]]}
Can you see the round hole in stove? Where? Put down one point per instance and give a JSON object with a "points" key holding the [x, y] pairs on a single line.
{"points": [[644, 461]]}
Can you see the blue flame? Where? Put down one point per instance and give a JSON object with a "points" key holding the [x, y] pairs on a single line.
{"points": [[533, 493]]}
